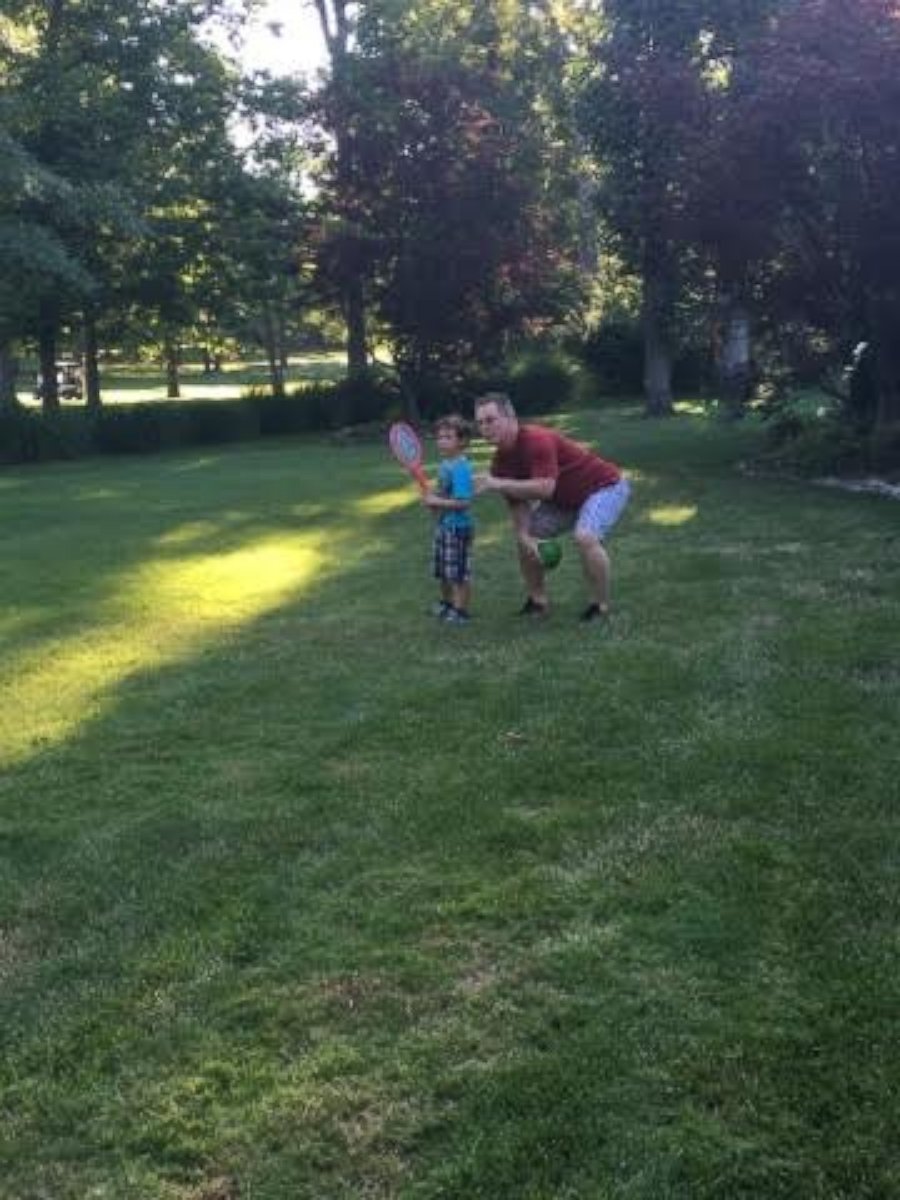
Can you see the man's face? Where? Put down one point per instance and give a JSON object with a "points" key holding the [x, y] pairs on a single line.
{"points": [[496, 426]]}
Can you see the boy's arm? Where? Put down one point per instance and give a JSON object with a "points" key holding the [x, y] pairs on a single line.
{"points": [[461, 491]]}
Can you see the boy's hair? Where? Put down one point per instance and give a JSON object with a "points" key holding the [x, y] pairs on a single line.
{"points": [[503, 402], [457, 424]]}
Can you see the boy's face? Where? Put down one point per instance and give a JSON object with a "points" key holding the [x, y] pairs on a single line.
{"points": [[448, 441]]}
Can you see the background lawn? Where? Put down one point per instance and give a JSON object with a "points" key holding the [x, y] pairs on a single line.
{"points": [[131, 383], [303, 895]]}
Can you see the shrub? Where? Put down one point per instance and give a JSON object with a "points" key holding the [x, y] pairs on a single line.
{"points": [[211, 421], [140, 428], [613, 353], [27, 435], [541, 382], [326, 406], [365, 398], [789, 415], [277, 415]]}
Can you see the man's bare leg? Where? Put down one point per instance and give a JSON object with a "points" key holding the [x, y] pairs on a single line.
{"points": [[595, 562], [533, 575]]}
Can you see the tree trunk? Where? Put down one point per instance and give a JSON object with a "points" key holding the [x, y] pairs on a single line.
{"points": [[885, 364], [93, 401], [355, 311], [9, 371], [276, 375], [733, 365], [173, 385], [657, 351], [283, 356], [335, 21], [887, 412], [47, 355]]}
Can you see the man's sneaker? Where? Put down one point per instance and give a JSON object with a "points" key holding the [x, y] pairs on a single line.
{"points": [[440, 609], [456, 616], [533, 608], [594, 612]]}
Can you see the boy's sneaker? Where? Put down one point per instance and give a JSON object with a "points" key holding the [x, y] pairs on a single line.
{"points": [[456, 616], [533, 608], [440, 609], [594, 612]]}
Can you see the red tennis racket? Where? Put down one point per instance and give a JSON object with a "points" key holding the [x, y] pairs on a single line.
{"points": [[406, 447]]}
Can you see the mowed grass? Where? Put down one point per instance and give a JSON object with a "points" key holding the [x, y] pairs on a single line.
{"points": [[306, 896]]}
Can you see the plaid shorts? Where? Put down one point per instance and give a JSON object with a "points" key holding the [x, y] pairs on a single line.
{"points": [[453, 554]]}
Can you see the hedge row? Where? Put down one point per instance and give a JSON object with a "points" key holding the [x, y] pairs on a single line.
{"points": [[538, 383], [27, 435]]}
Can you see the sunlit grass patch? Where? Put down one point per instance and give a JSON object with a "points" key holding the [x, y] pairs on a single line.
{"points": [[158, 614], [672, 514], [386, 502]]}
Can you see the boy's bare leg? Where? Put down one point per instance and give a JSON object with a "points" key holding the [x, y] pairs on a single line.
{"points": [[461, 595], [595, 562]]}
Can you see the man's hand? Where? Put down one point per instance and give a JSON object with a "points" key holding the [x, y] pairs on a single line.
{"points": [[484, 483]]}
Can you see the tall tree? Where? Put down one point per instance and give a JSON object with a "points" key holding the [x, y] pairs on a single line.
{"points": [[659, 73], [834, 66], [341, 114], [463, 203], [92, 108]]}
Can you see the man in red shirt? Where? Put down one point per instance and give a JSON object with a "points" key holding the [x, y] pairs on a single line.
{"points": [[551, 484]]}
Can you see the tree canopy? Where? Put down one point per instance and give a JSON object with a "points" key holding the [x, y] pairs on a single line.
{"points": [[445, 182]]}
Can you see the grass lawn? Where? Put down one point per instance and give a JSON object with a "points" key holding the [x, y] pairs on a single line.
{"points": [[131, 383], [303, 895]]}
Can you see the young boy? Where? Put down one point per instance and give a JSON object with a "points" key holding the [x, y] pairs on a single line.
{"points": [[454, 529]]}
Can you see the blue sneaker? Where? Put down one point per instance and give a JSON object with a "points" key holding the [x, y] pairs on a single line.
{"points": [[456, 616]]}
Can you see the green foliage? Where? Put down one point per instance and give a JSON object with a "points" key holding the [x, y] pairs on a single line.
{"points": [[149, 428], [541, 382], [808, 432], [613, 353], [28, 436], [329, 405], [451, 190]]}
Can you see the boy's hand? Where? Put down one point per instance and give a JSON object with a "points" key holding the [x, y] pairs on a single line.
{"points": [[431, 500]]}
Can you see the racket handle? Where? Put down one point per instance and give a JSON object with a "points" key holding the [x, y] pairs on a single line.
{"points": [[421, 478]]}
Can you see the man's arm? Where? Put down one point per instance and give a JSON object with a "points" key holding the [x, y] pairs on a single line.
{"points": [[516, 489]]}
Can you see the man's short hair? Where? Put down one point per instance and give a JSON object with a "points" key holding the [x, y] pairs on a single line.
{"points": [[458, 424], [503, 402]]}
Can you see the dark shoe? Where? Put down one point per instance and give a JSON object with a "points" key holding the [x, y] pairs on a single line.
{"points": [[594, 612], [533, 608]]}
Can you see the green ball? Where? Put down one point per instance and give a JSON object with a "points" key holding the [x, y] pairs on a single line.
{"points": [[550, 553]]}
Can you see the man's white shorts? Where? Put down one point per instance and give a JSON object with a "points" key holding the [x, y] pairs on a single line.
{"points": [[597, 515]]}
